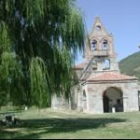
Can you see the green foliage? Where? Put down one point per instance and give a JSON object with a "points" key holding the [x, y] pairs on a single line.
{"points": [[39, 40], [3, 99], [39, 86], [131, 65], [5, 41], [10, 73]]}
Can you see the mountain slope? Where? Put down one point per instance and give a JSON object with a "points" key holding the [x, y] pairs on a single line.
{"points": [[131, 65]]}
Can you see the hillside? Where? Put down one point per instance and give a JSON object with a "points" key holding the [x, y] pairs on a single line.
{"points": [[131, 65]]}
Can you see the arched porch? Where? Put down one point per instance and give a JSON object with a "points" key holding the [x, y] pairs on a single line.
{"points": [[113, 99]]}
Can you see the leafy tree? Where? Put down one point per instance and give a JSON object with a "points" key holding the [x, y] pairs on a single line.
{"points": [[39, 40]]}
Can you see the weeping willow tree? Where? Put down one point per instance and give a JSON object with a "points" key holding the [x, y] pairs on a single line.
{"points": [[39, 40]]}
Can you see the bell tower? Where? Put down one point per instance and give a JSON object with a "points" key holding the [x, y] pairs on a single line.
{"points": [[99, 49]]}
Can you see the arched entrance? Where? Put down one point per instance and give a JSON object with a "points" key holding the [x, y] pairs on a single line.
{"points": [[113, 98]]}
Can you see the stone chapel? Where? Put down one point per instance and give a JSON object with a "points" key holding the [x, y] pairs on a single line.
{"points": [[101, 87]]}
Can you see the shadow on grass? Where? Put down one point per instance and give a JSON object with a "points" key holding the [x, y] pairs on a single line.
{"points": [[38, 127]]}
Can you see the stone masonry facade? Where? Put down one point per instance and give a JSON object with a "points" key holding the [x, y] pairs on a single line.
{"points": [[102, 88]]}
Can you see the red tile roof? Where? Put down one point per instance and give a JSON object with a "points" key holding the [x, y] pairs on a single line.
{"points": [[110, 76], [80, 66]]}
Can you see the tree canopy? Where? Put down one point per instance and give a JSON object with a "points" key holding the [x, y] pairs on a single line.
{"points": [[39, 40]]}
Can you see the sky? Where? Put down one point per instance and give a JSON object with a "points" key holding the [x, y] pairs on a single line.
{"points": [[119, 17]]}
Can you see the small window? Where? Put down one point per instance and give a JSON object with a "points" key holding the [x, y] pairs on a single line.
{"points": [[84, 93], [94, 65], [94, 45], [94, 62], [105, 45], [106, 65], [98, 27]]}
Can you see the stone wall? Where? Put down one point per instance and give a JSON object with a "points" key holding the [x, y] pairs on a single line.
{"points": [[59, 102], [95, 92]]}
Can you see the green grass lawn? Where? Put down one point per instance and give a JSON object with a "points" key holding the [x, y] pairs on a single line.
{"points": [[71, 124]]}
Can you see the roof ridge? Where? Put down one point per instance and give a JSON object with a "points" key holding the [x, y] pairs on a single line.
{"points": [[110, 76]]}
